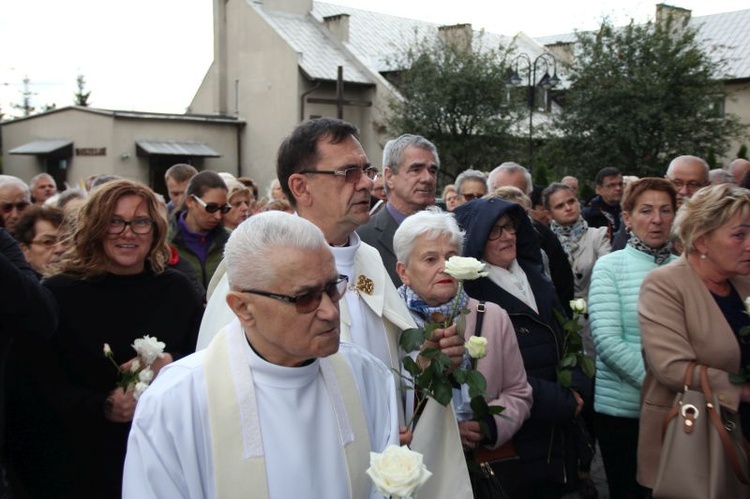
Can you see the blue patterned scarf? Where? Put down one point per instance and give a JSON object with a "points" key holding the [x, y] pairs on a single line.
{"points": [[426, 314]]}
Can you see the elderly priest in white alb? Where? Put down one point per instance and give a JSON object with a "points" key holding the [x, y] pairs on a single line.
{"points": [[275, 407]]}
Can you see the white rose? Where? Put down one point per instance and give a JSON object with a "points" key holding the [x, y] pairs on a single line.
{"points": [[747, 305], [140, 387], [476, 347], [135, 366], [578, 305], [107, 350], [465, 268], [146, 375], [149, 349], [398, 471]]}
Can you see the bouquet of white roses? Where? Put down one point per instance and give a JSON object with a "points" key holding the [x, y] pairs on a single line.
{"points": [[140, 375]]}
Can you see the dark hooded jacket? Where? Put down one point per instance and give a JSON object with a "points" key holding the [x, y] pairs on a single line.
{"points": [[546, 441]]}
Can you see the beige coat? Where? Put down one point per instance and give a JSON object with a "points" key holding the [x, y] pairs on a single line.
{"points": [[680, 323]]}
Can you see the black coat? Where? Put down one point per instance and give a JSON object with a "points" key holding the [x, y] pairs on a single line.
{"points": [[544, 441]]}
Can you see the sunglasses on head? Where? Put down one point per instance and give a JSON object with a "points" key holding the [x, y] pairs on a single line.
{"points": [[8, 207], [212, 207]]}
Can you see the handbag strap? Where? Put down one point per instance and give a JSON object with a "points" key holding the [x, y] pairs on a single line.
{"points": [[726, 440], [687, 380], [480, 318]]}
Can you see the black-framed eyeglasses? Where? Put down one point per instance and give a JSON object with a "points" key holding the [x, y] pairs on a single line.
{"points": [[213, 207], [691, 186], [471, 196], [8, 207], [498, 229], [140, 226], [309, 301], [351, 175]]}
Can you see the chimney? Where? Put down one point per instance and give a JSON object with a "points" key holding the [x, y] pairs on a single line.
{"points": [[338, 25], [457, 35], [674, 17]]}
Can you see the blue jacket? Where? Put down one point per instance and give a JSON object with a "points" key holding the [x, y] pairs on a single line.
{"points": [[544, 440], [613, 312]]}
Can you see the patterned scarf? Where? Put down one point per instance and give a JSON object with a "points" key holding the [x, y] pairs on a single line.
{"points": [[660, 254], [571, 235], [427, 314]]}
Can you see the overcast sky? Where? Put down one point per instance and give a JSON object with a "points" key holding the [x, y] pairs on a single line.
{"points": [[151, 55]]}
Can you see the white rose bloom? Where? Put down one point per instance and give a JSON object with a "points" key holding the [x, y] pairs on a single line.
{"points": [[465, 268], [398, 471], [140, 387], [476, 347], [146, 375], [135, 366], [107, 349], [578, 305], [149, 349], [747, 304]]}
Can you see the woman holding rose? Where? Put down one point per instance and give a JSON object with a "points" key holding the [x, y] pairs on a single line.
{"points": [[500, 233], [113, 287], [423, 243]]}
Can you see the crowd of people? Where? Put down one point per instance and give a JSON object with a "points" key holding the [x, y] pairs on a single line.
{"points": [[280, 321]]}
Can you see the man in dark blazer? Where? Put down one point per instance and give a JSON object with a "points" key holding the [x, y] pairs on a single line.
{"points": [[410, 169]]}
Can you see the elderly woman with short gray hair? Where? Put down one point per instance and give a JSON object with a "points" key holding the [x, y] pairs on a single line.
{"points": [[423, 243]]}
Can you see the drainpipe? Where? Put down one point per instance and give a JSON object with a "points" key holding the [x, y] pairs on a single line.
{"points": [[302, 101]]}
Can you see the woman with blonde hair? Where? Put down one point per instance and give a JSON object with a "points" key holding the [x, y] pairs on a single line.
{"points": [[693, 311]]}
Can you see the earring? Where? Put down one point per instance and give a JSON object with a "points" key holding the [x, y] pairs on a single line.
{"points": [[703, 256]]}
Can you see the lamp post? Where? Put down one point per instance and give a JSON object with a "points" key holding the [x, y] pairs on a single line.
{"points": [[544, 61]]}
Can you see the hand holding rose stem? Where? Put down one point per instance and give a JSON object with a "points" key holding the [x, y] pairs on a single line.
{"points": [[433, 377]]}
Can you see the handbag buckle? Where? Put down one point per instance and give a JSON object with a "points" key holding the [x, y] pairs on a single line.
{"points": [[689, 413]]}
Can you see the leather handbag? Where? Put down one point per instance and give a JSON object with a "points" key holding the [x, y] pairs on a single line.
{"points": [[490, 469], [704, 453]]}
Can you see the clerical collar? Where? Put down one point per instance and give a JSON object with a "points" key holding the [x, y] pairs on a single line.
{"points": [[303, 364]]}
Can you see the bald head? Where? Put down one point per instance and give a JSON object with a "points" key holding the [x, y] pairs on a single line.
{"points": [[738, 168]]}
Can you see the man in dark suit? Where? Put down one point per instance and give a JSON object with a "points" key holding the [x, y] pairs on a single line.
{"points": [[410, 169]]}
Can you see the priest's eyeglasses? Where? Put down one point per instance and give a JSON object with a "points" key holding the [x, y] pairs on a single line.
{"points": [[309, 301], [351, 175], [213, 207], [141, 225]]}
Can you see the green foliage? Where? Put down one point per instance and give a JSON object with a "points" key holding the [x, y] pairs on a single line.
{"points": [[572, 352], [541, 175], [742, 152], [454, 95], [640, 95], [81, 97]]}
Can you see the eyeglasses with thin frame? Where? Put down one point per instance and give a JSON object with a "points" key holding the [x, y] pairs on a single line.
{"points": [[613, 185], [498, 229], [692, 186], [8, 207], [212, 207], [140, 226], [309, 301], [351, 175], [471, 196]]}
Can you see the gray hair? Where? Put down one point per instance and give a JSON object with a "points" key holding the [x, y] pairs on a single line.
{"points": [[470, 175], [686, 157], [36, 178], [511, 167], [11, 181], [394, 150], [512, 194], [251, 246], [431, 222]]}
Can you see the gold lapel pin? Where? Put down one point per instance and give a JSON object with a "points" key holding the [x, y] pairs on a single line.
{"points": [[365, 284]]}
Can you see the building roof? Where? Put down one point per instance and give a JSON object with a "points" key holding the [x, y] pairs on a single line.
{"points": [[134, 115], [41, 146], [174, 148], [378, 40], [724, 35]]}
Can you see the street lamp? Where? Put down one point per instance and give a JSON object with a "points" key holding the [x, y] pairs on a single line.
{"points": [[543, 61]]}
